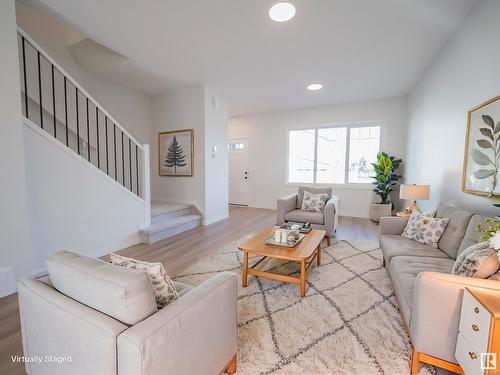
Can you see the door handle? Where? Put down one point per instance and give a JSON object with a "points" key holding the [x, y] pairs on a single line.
{"points": [[246, 178]]}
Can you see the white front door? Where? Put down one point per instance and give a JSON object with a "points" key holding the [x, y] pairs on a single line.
{"points": [[238, 171]]}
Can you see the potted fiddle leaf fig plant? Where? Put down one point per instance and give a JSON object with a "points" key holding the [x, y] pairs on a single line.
{"points": [[384, 180]]}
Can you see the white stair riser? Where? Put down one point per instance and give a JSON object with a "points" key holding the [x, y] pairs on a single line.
{"points": [[154, 237], [169, 215]]}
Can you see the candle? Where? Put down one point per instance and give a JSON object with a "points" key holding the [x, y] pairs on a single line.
{"points": [[284, 236], [277, 235]]}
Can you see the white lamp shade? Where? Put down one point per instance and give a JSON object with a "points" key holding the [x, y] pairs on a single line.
{"points": [[414, 192]]}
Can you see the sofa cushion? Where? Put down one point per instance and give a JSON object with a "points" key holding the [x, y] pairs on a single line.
{"points": [[300, 216], [455, 230], [124, 294], [315, 190], [394, 245], [471, 236], [404, 270]]}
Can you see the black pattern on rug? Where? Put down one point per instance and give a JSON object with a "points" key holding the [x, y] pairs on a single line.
{"points": [[348, 322]]}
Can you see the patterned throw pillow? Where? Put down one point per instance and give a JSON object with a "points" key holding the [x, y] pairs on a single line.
{"points": [[313, 202], [163, 287], [479, 261], [424, 229]]}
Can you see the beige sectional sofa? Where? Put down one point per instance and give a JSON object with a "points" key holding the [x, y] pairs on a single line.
{"points": [[429, 296], [91, 317]]}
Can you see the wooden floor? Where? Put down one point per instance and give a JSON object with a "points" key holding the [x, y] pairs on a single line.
{"points": [[176, 253]]}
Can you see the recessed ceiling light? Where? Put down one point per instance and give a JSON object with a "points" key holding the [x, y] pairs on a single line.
{"points": [[282, 12], [315, 87]]}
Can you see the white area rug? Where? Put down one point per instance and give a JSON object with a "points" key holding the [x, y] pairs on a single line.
{"points": [[348, 323]]}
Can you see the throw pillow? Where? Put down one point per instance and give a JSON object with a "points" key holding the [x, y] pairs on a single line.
{"points": [[163, 287], [313, 202], [478, 260], [424, 229]]}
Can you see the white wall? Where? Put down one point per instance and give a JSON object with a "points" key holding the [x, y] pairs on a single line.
{"points": [[72, 205], [204, 110], [216, 168], [14, 255], [180, 109], [268, 144], [464, 74], [128, 107]]}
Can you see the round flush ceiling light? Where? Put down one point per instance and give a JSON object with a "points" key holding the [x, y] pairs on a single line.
{"points": [[315, 87], [282, 12]]}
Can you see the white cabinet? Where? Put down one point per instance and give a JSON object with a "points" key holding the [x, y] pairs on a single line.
{"points": [[478, 341]]}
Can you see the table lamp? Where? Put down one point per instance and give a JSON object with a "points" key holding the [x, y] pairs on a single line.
{"points": [[414, 192]]}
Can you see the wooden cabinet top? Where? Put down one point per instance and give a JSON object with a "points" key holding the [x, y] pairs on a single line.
{"points": [[489, 298]]}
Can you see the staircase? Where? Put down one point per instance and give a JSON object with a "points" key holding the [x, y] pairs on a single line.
{"points": [[54, 102], [169, 219], [55, 105]]}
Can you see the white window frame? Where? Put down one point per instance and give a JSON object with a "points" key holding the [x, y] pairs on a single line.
{"points": [[346, 184]]}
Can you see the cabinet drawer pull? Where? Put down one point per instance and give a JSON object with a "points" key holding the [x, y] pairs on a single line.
{"points": [[473, 355], [475, 328], [476, 310]]}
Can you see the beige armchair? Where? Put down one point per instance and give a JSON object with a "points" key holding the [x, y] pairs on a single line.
{"points": [[91, 317], [289, 211]]}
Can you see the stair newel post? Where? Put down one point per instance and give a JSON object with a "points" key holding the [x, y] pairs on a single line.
{"points": [[146, 186]]}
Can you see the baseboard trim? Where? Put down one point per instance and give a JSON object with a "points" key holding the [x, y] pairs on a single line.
{"points": [[215, 220], [134, 240]]}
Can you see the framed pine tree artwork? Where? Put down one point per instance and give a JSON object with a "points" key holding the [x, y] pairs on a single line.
{"points": [[176, 153]]}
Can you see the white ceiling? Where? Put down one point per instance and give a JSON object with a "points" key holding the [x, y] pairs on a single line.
{"points": [[358, 49]]}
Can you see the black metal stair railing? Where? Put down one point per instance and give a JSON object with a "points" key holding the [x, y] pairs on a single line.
{"points": [[54, 101]]}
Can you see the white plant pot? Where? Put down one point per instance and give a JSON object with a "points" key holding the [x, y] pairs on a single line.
{"points": [[377, 210]]}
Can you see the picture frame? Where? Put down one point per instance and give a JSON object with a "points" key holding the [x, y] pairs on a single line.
{"points": [[481, 166], [176, 153]]}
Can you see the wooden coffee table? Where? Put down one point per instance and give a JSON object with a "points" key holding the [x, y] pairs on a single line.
{"points": [[304, 253]]}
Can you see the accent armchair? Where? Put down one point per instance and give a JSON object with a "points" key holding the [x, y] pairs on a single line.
{"points": [[96, 318], [289, 211]]}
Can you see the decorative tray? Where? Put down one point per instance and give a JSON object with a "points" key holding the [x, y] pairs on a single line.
{"points": [[271, 241]]}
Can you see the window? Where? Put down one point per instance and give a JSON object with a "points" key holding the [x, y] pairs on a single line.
{"points": [[330, 165], [235, 146], [333, 155], [364, 144]]}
